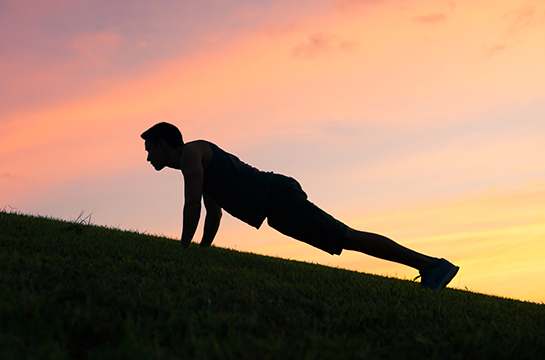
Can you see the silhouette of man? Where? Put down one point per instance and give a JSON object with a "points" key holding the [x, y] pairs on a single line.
{"points": [[221, 181]]}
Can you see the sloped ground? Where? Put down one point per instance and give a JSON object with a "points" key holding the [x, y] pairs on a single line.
{"points": [[77, 291]]}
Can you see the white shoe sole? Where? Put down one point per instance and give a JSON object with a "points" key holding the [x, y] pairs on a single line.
{"points": [[448, 277]]}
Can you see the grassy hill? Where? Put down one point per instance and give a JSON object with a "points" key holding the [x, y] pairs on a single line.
{"points": [[87, 292]]}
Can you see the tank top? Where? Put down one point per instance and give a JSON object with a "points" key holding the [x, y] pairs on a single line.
{"points": [[238, 188]]}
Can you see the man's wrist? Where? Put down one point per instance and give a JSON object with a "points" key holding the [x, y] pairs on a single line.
{"points": [[185, 244]]}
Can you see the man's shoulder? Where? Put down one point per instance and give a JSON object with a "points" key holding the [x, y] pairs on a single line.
{"points": [[197, 146], [198, 149], [198, 143]]}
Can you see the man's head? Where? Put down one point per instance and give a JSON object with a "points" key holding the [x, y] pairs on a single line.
{"points": [[160, 140]]}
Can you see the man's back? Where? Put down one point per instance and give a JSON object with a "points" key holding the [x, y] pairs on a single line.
{"points": [[235, 186]]}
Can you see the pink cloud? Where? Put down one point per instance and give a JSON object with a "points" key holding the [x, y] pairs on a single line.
{"points": [[321, 43], [514, 29], [492, 50], [316, 44], [519, 20], [430, 18], [97, 47]]}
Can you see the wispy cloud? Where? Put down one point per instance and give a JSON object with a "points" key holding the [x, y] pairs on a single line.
{"points": [[494, 49], [97, 47], [515, 25], [519, 20], [431, 18], [321, 43]]}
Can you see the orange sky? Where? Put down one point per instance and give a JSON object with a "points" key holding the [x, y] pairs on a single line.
{"points": [[419, 120]]}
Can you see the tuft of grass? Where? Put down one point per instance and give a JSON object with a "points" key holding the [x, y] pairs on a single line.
{"points": [[83, 220], [76, 291]]}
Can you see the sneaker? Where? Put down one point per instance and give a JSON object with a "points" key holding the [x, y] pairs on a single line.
{"points": [[438, 274]]}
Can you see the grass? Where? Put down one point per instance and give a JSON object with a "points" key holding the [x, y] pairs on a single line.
{"points": [[75, 291]]}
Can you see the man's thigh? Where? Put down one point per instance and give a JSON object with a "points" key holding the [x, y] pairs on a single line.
{"points": [[289, 211]]}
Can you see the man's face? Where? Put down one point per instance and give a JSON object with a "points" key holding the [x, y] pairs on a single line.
{"points": [[156, 154]]}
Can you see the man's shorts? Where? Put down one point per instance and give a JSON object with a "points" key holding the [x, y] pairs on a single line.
{"points": [[288, 211]]}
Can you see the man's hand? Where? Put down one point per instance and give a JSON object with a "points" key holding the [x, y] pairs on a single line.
{"points": [[184, 245]]}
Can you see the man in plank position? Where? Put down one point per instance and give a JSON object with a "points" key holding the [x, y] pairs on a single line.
{"points": [[222, 181]]}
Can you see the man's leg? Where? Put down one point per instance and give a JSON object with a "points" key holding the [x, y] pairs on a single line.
{"points": [[383, 248]]}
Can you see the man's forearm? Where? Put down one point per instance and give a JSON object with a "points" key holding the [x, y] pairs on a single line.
{"points": [[211, 226], [192, 213]]}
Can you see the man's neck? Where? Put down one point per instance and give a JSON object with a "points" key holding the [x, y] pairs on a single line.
{"points": [[174, 156]]}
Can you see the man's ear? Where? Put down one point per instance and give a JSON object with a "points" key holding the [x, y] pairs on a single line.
{"points": [[162, 144]]}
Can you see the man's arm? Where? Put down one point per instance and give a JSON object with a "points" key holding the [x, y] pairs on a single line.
{"points": [[192, 169], [211, 222]]}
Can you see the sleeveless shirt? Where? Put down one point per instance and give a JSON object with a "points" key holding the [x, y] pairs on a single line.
{"points": [[238, 188]]}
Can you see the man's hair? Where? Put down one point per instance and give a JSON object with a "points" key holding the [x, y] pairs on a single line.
{"points": [[166, 132]]}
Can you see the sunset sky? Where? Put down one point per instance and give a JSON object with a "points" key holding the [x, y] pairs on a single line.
{"points": [[419, 120]]}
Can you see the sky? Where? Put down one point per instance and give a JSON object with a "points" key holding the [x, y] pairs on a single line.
{"points": [[419, 120]]}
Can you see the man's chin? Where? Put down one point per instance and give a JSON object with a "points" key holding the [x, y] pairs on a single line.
{"points": [[158, 167]]}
